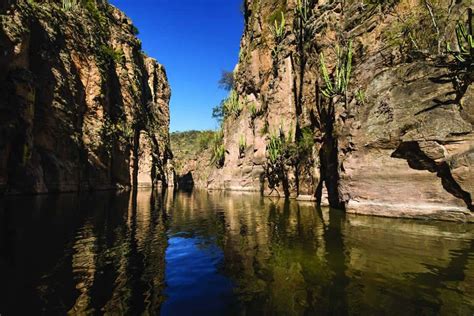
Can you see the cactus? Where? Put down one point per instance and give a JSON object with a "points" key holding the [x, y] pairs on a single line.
{"points": [[465, 43], [218, 149], [342, 73], [275, 147], [278, 28], [302, 10]]}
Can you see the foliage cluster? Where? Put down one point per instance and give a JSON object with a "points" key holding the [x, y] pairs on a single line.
{"points": [[464, 54], [281, 148], [109, 54], [421, 29], [218, 149], [229, 107], [338, 83], [190, 145], [113, 132], [282, 151]]}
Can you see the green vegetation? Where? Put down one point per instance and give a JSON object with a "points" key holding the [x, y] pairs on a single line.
{"points": [[337, 85], [190, 145], [242, 145], [421, 30], [193, 145], [109, 54], [464, 54], [98, 15], [275, 146], [69, 4], [135, 30], [281, 147], [265, 128], [229, 107], [278, 31], [232, 105], [218, 149], [113, 132], [254, 113], [227, 80], [302, 11], [282, 151], [253, 110], [278, 28], [360, 96]]}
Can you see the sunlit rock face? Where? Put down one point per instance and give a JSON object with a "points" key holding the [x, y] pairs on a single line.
{"points": [[399, 142], [82, 107]]}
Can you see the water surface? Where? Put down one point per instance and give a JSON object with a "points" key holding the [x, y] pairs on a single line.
{"points": [[221, 253]]}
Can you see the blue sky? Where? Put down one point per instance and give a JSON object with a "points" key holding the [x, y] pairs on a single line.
{"points": [[195, 40]]}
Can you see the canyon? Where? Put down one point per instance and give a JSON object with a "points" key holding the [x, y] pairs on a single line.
{"points": [[339, 179], [347, 104]]}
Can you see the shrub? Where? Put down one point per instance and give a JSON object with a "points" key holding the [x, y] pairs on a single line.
{"points": [[218, 149], [110, 54], [227, 80], [91, 7], [204, 139], [232, 106], [135, 30]]}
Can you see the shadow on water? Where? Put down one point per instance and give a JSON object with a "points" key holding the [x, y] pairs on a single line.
{"points": [[82, 253], [215, 253]]}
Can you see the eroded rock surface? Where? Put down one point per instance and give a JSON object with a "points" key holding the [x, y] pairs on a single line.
{"points": [[399, 143], [82, 107]]}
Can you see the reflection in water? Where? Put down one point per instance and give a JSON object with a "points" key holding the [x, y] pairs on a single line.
{"points": [[225, 253]]}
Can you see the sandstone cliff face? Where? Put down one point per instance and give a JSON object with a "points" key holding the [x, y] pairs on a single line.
{"points": [[82, 108], [398, 142]]}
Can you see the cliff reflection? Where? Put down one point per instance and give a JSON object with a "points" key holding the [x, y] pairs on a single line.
{"points": [[85, 254], [288, 258], [225, 253]]}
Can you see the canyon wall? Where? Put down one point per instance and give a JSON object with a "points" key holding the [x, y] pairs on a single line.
{"points": [[397, 141], [81, 107]]}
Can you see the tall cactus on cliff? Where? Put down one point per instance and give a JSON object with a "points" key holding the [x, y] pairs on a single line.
{"points": [[338, 83], [278, 28]]}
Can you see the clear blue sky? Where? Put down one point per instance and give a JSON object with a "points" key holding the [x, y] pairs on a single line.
{"points": [[195, 40]]}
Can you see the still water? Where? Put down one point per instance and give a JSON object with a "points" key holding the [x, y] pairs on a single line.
{"points": [[216, 253]]}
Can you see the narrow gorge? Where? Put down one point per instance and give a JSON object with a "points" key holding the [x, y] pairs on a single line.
{"points": [[322, 165]]}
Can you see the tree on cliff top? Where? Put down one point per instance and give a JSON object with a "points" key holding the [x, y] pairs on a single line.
{"points": [[227, 80]]}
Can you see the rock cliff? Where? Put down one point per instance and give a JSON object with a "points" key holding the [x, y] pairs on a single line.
{"points": [[82, 107], [357, 104]]}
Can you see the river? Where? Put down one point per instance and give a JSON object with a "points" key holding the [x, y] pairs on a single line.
{"points": [[216, 253]]}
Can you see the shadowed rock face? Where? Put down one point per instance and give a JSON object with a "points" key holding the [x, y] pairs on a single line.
{"points": [[405, 148], [82, 108]]}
